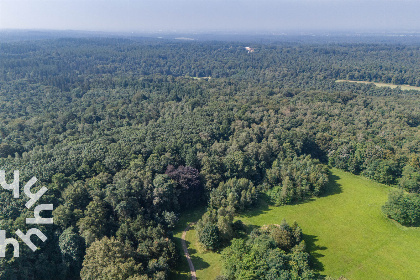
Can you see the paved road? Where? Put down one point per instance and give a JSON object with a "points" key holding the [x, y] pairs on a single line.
{"points": [[187, 255]]}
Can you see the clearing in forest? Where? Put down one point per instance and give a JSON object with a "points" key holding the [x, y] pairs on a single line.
{"points": [[345, 231], [403, 87]]}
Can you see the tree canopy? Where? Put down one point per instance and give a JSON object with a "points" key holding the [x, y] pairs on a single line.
{"points": [[127, 134]]}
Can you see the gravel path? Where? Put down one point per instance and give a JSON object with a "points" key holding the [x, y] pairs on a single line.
{"points": [[187, 255]]}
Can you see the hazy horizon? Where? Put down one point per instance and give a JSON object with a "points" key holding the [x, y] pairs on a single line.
{"points": [[211, 16]]}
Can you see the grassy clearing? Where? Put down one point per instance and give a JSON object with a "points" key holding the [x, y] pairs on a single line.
{"points": [[403, 87], [199, 78], [347, 233], [207, 264], [344, 230], [183, 271]]}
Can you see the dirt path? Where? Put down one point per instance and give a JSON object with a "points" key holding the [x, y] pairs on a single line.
{"points": [[187, 255]]}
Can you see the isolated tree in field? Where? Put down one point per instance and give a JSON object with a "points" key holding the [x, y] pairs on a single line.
{"points": [[207, 231], [209, 236]]}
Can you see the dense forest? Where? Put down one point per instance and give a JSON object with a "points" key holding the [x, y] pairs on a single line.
{"points": [[128, 134]]}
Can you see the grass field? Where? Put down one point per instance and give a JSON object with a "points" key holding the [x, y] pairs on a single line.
{"points": [[344, 230], [403, 87]]}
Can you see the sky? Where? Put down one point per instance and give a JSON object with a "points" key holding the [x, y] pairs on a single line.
{"points": [[211, 15]]}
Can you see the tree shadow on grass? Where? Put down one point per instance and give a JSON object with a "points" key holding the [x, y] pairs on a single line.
{"points": [[264, 201], [261, 206], [182, 267], [303, 201], [199, 263], [247, 230], [191, 251], [332, 187], [189, 216], [315, 252], [415, 225]]}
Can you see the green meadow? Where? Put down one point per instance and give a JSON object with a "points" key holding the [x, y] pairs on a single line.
{"points": [[403, 87], [345, 232]]}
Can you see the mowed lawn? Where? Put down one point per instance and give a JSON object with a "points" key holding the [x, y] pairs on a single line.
{"points": [[345, 231], [348, 234]]}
